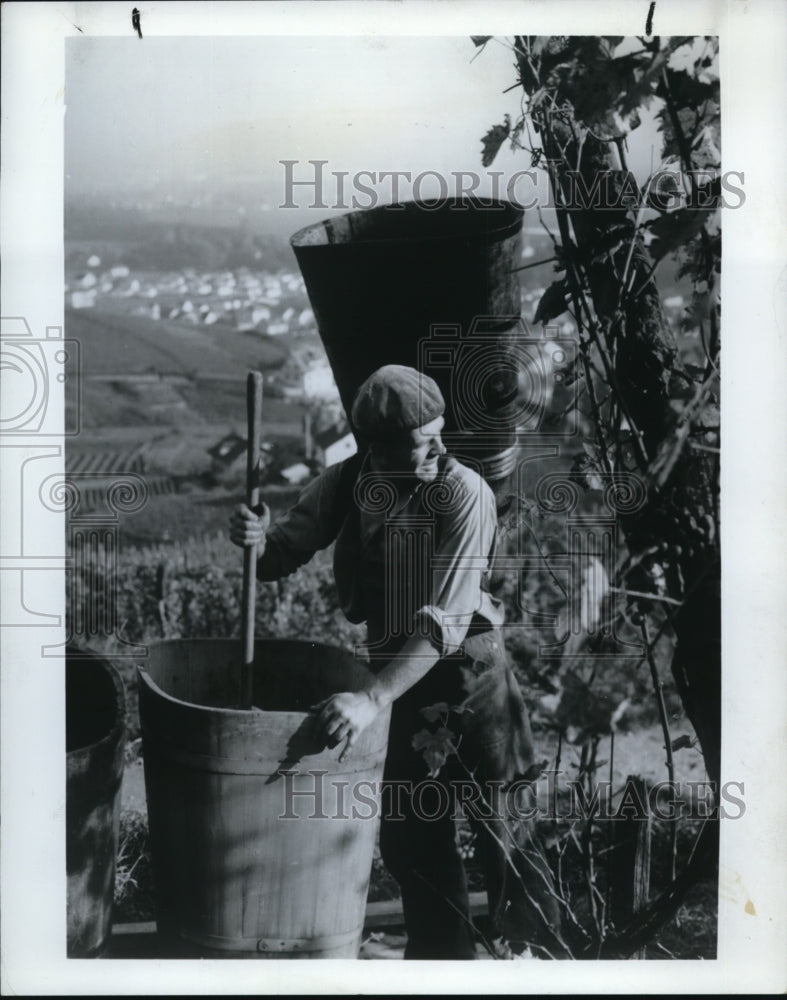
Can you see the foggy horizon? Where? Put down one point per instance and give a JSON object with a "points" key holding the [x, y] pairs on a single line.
{"points": [[190, 120]]}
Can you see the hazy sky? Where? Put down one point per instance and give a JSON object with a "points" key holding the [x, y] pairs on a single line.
{"points": [[216, 111], [178, 108]]}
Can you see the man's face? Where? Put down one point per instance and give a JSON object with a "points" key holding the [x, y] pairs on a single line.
{"points": [[416, 454]]}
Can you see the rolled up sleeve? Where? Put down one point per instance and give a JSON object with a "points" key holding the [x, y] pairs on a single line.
{"points": [[460, 566]]}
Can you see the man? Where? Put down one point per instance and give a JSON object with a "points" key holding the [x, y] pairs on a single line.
{"points": [[415, 535]]}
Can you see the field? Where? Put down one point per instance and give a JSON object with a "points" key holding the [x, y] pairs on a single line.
{"points": [[163, 394], [114, 344]]}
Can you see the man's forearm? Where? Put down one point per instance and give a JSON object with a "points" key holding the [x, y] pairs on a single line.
{"points": [[270, 564], [414, 661]]}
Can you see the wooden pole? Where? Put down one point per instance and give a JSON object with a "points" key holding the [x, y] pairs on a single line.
{"points": [[254, 415], [630, 868]]}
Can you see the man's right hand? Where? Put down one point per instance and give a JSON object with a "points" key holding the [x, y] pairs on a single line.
{"points": [[248, 527]]}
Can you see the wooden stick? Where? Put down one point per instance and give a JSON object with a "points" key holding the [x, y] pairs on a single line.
{"points": [[254, 415]]}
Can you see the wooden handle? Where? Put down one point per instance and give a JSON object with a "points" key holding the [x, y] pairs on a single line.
{"points": [[254, 415]]}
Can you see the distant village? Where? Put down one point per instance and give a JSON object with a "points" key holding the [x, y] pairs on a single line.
{"points": [[243, 300], [246, 299]]}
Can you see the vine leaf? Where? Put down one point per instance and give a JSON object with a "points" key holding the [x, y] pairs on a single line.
{"points": [[493, 140], [674, 230], [697, 312], [667, 190], [441, 709], [537, 45], [586, 469], [433, 712], [607, 242], [553, 302], [436, 748], [534, 772]]}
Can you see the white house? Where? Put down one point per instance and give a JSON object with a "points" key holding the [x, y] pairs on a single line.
{"points": [[334, 446], [83, 300], [128, 288], [296, 474], [318, 383]]}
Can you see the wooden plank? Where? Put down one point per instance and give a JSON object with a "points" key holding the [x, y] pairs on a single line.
{"points": [[388, 912], [379, 915], [631, 860]]}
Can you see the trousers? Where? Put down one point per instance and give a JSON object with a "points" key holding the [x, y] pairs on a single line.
{"points": [[479, 701]]}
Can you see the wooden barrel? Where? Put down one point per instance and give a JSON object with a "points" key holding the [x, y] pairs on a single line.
{"points": [[261, 841], [435, 288], [95, 743]]}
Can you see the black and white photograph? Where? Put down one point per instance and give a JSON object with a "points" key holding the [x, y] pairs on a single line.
{"points": [[391, 560]]}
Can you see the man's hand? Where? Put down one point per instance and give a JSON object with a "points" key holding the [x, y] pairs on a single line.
{"points": [[344, 715], [248, 527]]}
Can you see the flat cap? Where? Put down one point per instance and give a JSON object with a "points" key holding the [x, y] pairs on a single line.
{"points": [[395, 399]]}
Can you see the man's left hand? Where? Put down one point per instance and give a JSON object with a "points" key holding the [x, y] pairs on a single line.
{"points": [[344, 716]]}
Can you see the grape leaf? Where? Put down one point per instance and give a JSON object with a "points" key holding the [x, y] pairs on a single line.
{"points": [[586, 470], [440, 709], [433, 712], [534, 772], [493, 140], [436, 748], [552, 303], [674, 229]]}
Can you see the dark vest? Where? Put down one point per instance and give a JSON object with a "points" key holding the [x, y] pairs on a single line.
{"points": [[362, 574]]}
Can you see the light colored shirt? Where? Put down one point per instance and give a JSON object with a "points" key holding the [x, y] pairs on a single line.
{"points": [[411, 564]]}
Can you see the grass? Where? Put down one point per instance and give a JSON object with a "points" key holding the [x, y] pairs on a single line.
{"points": [[111, 344], [135, 899]]}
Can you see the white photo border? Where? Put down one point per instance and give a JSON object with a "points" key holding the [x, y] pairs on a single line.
{"points": [[751, 958]]}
